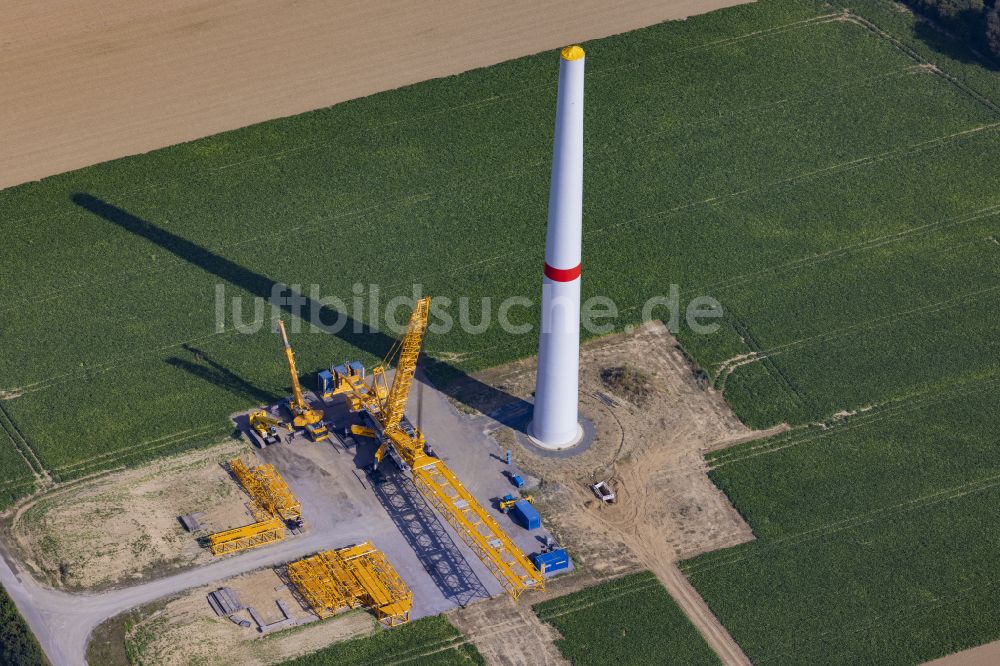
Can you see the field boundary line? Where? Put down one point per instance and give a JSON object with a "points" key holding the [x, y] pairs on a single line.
{"points": [[360, 213], [866, 626], [872, 415], [122, 456], [507, 94], [435, 647], [948, 493], [101, 368], [794, 345], [861, 246], [772, 369], [792, 265], [570, 609], [969, 91], [858, 520], [411, 198], [863, 161], [766, 354], [457, 183], [815, 95], [23, 448], [727, 41], [587, 598]]}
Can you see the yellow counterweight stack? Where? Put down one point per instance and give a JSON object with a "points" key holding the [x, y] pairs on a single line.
{"points": [[354, 576]]}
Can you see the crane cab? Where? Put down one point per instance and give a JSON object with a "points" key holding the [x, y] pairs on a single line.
{"points": [[266, 427], [308, 419], [317, 431]]}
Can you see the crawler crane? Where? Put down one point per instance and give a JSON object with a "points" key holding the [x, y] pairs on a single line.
{"points": [[385, 408], [303, 415]]}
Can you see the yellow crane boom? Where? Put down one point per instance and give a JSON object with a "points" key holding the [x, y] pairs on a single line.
{"points": [[388, 411], [273, 506], [406, 365], [471, 521], [248, 536], [303, 415], [297, 398]]}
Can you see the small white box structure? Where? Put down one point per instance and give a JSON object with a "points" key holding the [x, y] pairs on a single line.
{"points": [[603, 492]]}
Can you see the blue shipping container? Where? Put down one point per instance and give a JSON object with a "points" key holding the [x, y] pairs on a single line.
{"points": [[325, 383], [551, 561], [525, 515]]}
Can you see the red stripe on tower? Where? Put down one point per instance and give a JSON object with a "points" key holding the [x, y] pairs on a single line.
{"points": [[562, 274]]}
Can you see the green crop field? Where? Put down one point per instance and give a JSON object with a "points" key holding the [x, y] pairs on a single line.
{"points": [[877, 537], [831, 178], [766, 155], [431, 641], [630, 620], [771, 156]]}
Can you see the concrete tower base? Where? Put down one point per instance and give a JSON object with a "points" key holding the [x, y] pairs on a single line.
{"points": [[585, 437]]}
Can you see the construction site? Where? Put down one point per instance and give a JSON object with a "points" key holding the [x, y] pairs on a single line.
{"points": [[368, 498], [363, 545], [403, 535]]}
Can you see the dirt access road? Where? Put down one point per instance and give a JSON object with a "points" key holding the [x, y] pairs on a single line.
{"points": [[87, 81]]}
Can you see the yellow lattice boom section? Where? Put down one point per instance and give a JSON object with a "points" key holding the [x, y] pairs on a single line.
{"points": [[266, 487], [406, 365], [320, 586], [271, 503], [246, 537], [354, 576], [478, 529]]}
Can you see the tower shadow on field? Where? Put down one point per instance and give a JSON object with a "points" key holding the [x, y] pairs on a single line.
{"points": [[203, 367], [450, 380]]}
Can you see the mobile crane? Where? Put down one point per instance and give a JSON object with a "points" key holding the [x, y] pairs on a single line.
{"points": [[385, 406], [266, 427], [303, 415]]}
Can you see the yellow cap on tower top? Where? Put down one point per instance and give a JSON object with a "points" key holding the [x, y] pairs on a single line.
{"points": [[574, 52]]}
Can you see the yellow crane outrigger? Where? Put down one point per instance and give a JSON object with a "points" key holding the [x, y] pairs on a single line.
{"points": [[303, 415], [385, 406]]}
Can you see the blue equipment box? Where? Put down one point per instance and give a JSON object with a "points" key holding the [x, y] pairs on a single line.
{"points": [[553, 560], [525, 515]]}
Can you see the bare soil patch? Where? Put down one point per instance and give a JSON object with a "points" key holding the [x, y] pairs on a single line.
{"points": [[124, 527], [185, 630], [983, 655], [630, 382], [88, 81], [509, 633], [649, 447], [652, 455]]}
